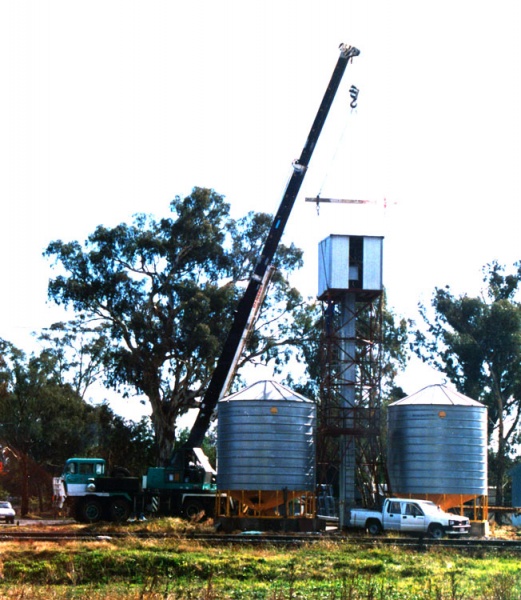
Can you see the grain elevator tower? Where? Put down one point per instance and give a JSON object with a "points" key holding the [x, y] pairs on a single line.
{"points": [[350, 289]]}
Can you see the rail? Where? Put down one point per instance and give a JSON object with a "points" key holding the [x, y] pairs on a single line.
{"points": [[462, 543]]}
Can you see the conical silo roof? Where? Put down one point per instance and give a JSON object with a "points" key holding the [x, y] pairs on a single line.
{"points": [[266, 390], [437, 394]]}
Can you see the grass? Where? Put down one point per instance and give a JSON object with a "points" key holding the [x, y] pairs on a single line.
{"points": [[176, 568]]}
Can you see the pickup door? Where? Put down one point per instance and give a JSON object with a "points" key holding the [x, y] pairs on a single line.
{"points": [[403, 516], [413, 518]]}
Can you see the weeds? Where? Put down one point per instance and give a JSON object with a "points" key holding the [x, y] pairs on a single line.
{"points": [[169, 569], [505, 586]]}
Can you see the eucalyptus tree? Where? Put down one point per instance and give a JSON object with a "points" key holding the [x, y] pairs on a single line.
{"points": [[78, 351], [476, 342], [44, 421], [164, 292]]}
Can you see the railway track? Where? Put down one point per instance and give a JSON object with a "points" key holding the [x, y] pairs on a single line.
{"points": [[408, 542], [258, 539]]}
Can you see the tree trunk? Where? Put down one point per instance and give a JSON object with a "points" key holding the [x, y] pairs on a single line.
{"points": [[40, 498], [501, 459], [164, 432], [499, 481], [500, 466], [24, 508]]}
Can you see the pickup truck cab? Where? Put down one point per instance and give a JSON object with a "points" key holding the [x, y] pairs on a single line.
{"points": [[409, 516]]}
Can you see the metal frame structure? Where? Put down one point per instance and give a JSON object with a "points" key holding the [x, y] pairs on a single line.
{"points": [[349, 442]]}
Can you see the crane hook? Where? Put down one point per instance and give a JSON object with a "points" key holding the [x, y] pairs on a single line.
{"points": [[353, 92]]}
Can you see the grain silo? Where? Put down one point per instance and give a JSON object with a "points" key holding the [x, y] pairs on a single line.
{"points": [[266, 458], [437, 447]]}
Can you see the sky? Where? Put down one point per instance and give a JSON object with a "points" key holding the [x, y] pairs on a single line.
{"points": [[113, 107]]}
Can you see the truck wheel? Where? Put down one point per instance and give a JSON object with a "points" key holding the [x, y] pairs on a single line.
{"points": [[374, 527], [91, 511], [119, 510], [193, 510], [436, 531]]}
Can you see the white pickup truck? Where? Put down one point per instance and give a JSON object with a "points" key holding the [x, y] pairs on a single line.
{"points": [[409, 516]]}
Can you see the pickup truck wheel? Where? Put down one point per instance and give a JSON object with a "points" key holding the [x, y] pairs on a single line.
{"points": [[119, 510], [374, 527], [436, 531], [91, 511]]}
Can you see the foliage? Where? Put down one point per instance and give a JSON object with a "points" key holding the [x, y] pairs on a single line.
{"points": [[209, 445], [121, 442], [164, 292], [78, 352], [42, 415], [43, 418], [45, 421], [476, 341], [311, 318], [395, 352]]}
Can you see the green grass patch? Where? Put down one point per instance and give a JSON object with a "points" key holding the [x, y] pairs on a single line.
{"points": [[176, 568]]}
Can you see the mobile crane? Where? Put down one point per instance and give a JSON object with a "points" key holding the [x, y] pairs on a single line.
{"points": [[187, 485]]}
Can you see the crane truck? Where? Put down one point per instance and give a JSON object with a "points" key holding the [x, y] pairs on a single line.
{"points": [[187, 485]]}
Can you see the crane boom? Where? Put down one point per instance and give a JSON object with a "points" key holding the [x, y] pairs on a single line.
{"points": [[228, 358], [254, 313]]}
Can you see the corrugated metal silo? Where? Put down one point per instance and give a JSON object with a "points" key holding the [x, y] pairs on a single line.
{"points": [[438, 444], [266, 439]]}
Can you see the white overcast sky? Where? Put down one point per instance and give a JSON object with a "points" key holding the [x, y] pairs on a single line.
{"points": [[113, 107]]}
